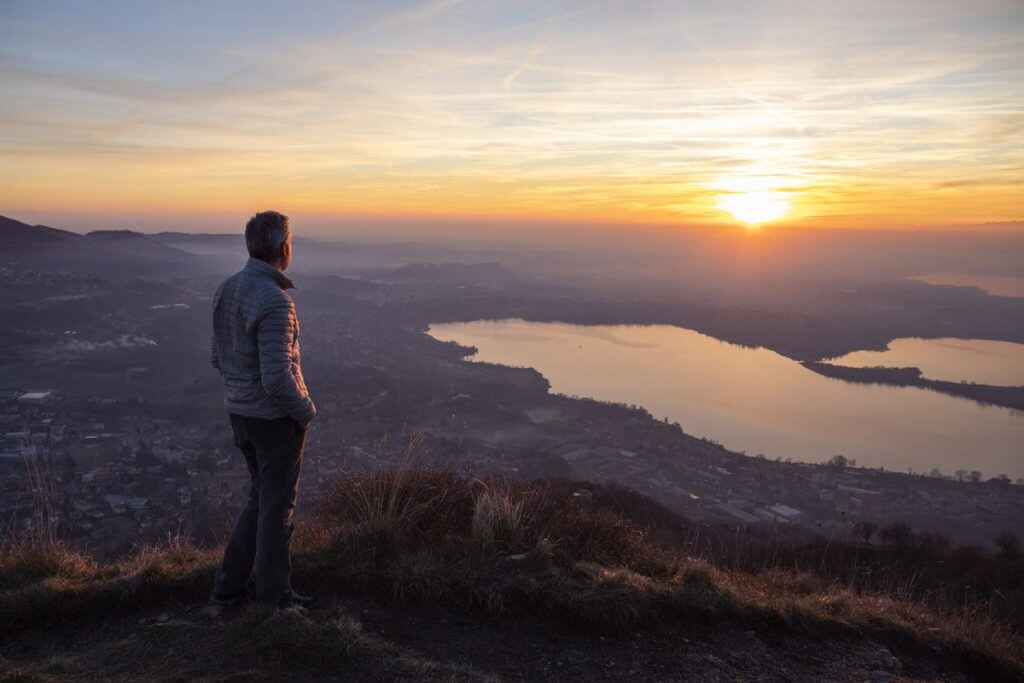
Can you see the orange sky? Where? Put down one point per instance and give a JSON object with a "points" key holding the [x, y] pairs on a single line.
{"points": [[837, 114]]}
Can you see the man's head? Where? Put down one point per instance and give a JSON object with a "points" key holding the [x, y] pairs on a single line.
{"points": [[268, 238]]}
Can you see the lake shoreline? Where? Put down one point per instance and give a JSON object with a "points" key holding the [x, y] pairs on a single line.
{"points": [[985, 394], [756, 400]]}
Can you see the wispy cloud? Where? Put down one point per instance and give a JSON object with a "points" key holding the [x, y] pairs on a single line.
{"points": [[531, 56], [445, 107], [417, 13]]}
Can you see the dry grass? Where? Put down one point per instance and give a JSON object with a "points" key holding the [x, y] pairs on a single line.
{"points": [[37, 552], [67, 584], [393, 505], [506, 546], [28, 560], [808, 602], [499, 546], [407, 510], [497, 518]]}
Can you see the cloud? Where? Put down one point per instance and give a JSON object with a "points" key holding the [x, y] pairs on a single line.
{"points": [[416, 14], [482, 107], [535, 52]]}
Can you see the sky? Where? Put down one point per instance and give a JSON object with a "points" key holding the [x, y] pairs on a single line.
{"points": [[833, 114]]}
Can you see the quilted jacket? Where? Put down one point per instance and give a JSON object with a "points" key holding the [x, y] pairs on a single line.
{"points": [[256, 345]]}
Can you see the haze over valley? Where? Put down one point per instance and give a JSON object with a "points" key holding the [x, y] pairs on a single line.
{"points": [[105, 322]]}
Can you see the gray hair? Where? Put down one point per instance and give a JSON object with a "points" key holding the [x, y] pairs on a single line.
{"points": [[265, 233]]}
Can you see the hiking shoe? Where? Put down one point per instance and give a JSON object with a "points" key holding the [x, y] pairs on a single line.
{"points": [[294, 599], [229, 599]]}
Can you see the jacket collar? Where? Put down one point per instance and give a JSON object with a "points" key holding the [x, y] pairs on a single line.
{"points": [[258, 267]]}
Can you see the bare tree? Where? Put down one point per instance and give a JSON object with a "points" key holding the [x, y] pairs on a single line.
{"points": [[839, 461], [898, 534], [1008, 544], [865, 530]]}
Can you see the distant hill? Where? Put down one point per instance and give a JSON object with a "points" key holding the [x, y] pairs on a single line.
{"points": [[138, 243], [106, 252], [130, 252], [203, 243], [17, 235], [117, 236]]}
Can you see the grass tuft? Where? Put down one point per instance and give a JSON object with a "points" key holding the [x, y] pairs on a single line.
{"points": [[497, 518], [28, 560]]}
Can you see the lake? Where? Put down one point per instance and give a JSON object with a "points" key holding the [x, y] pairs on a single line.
{"points": [[983, 361], [754, 400]]}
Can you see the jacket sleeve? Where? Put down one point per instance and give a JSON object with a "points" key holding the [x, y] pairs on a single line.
{"points": [[214, 361], [275, 337]]}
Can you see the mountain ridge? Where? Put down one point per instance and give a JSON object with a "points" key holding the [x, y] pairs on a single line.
{"points": [[15, 234], [104, 252]]}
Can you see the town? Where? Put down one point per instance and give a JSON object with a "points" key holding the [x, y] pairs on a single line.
{"points": [[110, 474], [114, 433]]}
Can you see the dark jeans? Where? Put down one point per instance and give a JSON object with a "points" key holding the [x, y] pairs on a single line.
{"points": [[259, 542]]}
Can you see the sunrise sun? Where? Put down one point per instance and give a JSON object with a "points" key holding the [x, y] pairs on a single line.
{"points": [[754, 208]]}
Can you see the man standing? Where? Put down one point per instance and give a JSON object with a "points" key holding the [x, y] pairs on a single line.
{"points": [[256, 349]]}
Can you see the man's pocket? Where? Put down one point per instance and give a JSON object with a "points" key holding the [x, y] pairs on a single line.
{"points": [[269, 434]]}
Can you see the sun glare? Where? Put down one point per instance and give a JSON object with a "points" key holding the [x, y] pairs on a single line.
{"points": [[754, 208]]}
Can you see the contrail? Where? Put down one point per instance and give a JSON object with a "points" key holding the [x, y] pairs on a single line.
{"points": [[770, 108], [537, 49]]}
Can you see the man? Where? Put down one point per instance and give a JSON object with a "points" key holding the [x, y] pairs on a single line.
{"points": [[256, 349]]}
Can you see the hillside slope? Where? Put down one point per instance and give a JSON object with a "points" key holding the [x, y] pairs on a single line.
{"points": [[433, 575], [103, 252], [17, 235]]}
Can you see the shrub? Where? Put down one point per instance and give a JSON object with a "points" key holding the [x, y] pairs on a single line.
{"points": [[497, 518]]}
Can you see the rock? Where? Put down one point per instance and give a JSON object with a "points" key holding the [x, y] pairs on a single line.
{"points": [[164, 617], [883, 660], [212, 611]]}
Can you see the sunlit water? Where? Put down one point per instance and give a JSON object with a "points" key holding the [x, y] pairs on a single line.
{"points": [[972, 360], [754, 399]]}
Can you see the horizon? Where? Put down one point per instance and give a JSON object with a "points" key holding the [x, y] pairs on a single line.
{"points": [[422, 116], [466, 232]]}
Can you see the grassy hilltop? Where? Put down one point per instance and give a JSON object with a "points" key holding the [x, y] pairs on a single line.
{"points": [[436, 575]]}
